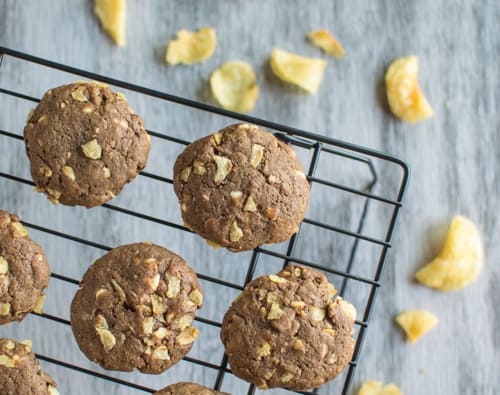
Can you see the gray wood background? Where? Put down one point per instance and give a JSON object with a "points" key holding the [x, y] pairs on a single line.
{"points": [[454, 159]]}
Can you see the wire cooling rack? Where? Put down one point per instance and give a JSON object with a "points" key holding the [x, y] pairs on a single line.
{"points": [[318, 147]]}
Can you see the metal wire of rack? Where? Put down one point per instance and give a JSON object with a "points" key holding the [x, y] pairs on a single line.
{"points": [[317, 144]]}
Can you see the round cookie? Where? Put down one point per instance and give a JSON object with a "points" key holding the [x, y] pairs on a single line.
{"points": [[241, 187], [84, 144], [188, 389], [285, 330], [20, 372], [24, 271], [135, 307]]}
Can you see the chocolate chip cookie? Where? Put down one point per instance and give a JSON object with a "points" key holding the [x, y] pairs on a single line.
{"points": [[188, 389], [84, 144], [20, 372], [24, 271], [135, 307], [241, 187], [285, 330]]}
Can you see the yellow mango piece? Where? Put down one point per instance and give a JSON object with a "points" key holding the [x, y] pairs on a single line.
{"points": [[324, 40], [192, 47], [378, 388], [299, 70], [403, 93], [416, 323], [112, 14], [233, 85], [459, 262]]}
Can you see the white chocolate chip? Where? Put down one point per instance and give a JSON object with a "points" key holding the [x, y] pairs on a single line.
{"points": [[161, 353], [68, 172], [235, 233], [224, 166], [264, 350], [161, 333], [257, 154], [6, 361], [218, 138], [147, 325], [273, 179], [174, 285], [187, 336], [301, 174], [348, 309], [184, 175], [51, 390], [4, 265], [184, 321], [45, 171], [119, 290], [317, 314], [286, 377], [39, 304], [236, 197], [199, 168], [154, 282], [108, 340], [80, 94], [92, 149], [196, 297], [250, 205], [158, 306], [19, 230], [277, 279], [4, 308], [107, 172], [275, 312]]}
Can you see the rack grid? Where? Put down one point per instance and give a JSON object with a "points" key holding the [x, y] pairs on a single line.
{"points": [[317, 144]]}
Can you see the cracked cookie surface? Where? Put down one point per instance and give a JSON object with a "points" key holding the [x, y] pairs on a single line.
{"points": [[188, 389], [24, 271], [287, 330], [84, 144], [20, 372], [135, 309], [241, 187]]}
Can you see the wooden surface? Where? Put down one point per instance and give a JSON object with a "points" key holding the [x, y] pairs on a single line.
{"points": [[454, 159]]}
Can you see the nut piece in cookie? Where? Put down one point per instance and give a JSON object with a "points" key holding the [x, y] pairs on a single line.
{"points": [[24, 271], [289, 330], [85, 144], [20, 372], [241, 187], [188, 389], [135, 309]]}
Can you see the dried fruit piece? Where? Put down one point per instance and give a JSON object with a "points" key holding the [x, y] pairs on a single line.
{"points": [[256, 155], [416, 323], [264, 350], [161, 353], [377, 388], [299, 70], [403, 93], [250, 205], [69, 172], [4, 265], [173, 285], [235, 232], [112, 14], [275, 312], [459, 262], [187, 336], [191, 47], [233, 85], [324, 40]]}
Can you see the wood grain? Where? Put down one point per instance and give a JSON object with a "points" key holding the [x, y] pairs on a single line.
{"points": [[455, 161]]}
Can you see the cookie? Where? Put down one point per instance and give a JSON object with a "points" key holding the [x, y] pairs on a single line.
{"points": [[20, 372], [188, 389], [241, 187], [24, 271], [84, 144], [285, 330], [135, 307]]}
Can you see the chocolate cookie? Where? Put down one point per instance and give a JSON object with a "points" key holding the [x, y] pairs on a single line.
{"points": [[188, 389], [285, 330], [20, 372], [241, 187], [135, 307], [84, 144], [24, 271]]}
